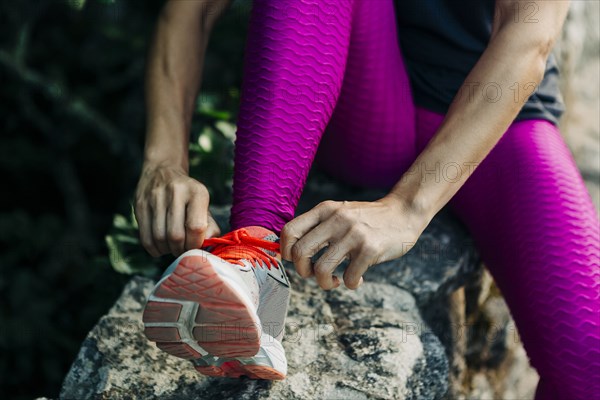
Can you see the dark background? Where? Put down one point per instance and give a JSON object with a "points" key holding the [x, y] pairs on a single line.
{"points": [[72, 127]]}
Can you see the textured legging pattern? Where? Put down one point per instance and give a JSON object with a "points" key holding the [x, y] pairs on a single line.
{"points": [[329, 75], [296, 57]]}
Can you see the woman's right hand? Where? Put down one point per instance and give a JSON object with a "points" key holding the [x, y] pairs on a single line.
{"points": [[172, 211]]}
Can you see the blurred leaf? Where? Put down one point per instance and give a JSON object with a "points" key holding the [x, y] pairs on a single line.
{"points": [[121, 222], [125, 253], [219, 115], [205, 142], [132, 217], [116, 257], [77, 4], [126, 239], [227, 129]]}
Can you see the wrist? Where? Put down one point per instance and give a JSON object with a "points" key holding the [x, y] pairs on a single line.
{"points": [[157, 161], [161, 154], [413, 207], [167, 144]]}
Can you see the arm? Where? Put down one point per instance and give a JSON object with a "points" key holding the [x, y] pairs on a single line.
{"points": [[517, 52], [171, 208], [370, 232]]}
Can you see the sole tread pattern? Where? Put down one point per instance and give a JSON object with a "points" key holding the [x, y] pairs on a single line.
{"points": [[161, 312], [180, 350], [227, 326], [235, 369]]}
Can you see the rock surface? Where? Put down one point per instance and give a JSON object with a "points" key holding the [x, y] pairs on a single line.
{"points": [[419, 328], [340, 345], [579, 56], [369, 343]]}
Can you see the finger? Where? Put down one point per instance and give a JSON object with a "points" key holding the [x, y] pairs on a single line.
{"points": [[144, 220], [355, 270], [367, 255], [159, 223], [176, 223], [328, 262], [299, 226], [310, 244], [196, 222], [213, 229]]}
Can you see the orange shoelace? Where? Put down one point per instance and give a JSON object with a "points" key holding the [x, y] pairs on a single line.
{"points": [[238, 244]]}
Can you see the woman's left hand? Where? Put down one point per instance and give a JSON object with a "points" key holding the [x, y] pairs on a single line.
{"points": [[367, 233]]}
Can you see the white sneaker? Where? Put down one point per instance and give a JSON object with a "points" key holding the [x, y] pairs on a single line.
{"points": [[224, 308]]}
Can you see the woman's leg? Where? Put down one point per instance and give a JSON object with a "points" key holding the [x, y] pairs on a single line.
{"points": [[296, 55], [295, 59], [538, 233], [370, 140]]}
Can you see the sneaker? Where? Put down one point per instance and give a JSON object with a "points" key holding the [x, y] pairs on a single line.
{"points": [[224, 308]]}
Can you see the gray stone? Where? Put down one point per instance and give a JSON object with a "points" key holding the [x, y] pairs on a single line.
{"points": [[497, 364], [339, 344], [368, 343], [393, 338], [578, 53]]}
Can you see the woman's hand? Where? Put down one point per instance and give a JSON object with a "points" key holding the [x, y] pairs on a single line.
{"points": [[172, 211], [367, 233]]}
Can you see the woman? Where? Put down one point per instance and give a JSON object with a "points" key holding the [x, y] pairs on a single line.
{"points": [[465, 115]]}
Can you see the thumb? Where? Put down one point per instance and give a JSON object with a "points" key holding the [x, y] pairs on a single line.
{"points": [[213, 228]]}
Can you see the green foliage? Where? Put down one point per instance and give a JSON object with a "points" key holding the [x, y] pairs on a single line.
{"points": [[77, 4], [211, 149], [124, 250]]}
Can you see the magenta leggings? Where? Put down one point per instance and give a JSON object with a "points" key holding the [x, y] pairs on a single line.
{"points": [[329, 74]]}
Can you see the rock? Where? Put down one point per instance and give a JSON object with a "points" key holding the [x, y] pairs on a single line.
{"points": [[579, 61], [497, 364], [340, 344], [401, 335], [368, 343]]}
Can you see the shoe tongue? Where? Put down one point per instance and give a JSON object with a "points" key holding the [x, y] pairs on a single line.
{"points": [[261, 233]]}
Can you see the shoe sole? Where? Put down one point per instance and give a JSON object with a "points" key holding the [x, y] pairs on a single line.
{"points": [[235, 369], [197, 310], [268, 364]]}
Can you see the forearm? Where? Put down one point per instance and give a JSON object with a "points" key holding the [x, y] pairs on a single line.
{"points": [[173, 77], [482, 110]]}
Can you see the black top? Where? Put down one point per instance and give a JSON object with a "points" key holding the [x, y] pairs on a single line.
{"points": [[441, 41]]}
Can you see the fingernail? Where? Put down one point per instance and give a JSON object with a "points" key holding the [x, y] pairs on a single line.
{"points": [[336, 281]]}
